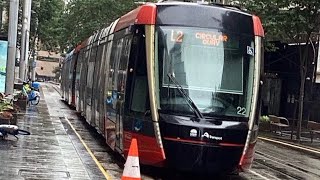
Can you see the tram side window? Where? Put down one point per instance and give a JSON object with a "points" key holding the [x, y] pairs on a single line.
{"points": [[91, 66], [123, 65], [114, 63], [98, 66], [70, 70], [112, 87], [83, 73], [140, 95], [84, 70], [107, 73], [79, 63], [111, 66]]}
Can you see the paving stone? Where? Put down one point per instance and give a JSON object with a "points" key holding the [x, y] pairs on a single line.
{"points": [[48, 153]]}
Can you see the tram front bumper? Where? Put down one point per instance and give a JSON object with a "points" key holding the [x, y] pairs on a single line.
{"points": [[201, 158]]}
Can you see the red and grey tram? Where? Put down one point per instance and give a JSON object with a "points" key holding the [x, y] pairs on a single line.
{"points": [[182, 78]]}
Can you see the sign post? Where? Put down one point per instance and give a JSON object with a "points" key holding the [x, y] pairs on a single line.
{"points": [[3, 63]]}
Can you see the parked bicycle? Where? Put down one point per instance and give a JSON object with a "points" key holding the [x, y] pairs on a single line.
{"points": [[35, 85], [7, 129], [32, 93], [34, 97]]}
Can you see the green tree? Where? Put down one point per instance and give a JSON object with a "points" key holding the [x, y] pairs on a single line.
{"points": [[57, 25], [57, 71], [4, 7], [46, 23], [289, 21], [83, 17]]}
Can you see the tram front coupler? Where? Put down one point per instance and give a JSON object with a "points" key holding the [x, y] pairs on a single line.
{"points": [[6, 129]]}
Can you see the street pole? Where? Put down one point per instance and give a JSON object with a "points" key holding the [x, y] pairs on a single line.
{"points": [[25, 39], [35, 52], [1, 10], [34, 62], [28, 38], [12, 45]]}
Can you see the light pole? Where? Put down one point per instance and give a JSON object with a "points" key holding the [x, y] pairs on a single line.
{"points": [[12, 43], [25, 39]]}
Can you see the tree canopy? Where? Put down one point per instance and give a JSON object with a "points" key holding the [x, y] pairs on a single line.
{"points": [[46, 23], [285, 19], [59, 25], [290, 21], [82, 17]]}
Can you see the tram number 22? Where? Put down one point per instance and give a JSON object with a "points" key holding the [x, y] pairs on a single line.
{"points": [[241, 110], [176, 36]]}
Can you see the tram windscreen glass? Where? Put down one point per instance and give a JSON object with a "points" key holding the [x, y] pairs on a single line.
{"points": [[215, 68]]}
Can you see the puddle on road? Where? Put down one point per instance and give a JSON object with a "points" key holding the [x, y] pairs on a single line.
{"points": [[39, 174]]}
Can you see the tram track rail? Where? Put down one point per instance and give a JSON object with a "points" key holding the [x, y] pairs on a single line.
{"points": [[309, 150], [271, 162], [283, 173]]}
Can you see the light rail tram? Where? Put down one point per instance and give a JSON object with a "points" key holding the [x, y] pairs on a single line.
{"points": [[182, 78]]}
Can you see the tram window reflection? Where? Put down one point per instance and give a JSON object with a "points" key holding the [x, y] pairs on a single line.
{"points": [[140, 95]]}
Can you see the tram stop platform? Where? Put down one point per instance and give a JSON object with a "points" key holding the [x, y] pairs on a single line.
{"points": [[53, 150], [288, 139]]}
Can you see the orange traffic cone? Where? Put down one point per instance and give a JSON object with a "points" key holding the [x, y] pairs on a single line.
{"points": [[131, 167]]}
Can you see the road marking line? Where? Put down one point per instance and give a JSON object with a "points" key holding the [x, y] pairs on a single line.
{"points": [[291, 145], [257, 174], [273, 177], [106, 175]]}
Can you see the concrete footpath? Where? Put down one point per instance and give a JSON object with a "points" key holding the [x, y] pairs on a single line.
{"points": [[48, 153]]}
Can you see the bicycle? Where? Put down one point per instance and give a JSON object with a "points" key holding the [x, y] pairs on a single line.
{"points": [[34, 97], [6, 129]]}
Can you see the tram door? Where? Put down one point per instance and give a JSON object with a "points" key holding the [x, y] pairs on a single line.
{"points": [[122, 77], [119, 66], [137, 115], [137, 109]]}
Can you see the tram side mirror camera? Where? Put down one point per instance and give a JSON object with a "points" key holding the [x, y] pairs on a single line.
{"points": [[17, 62], [261, 82], [132, 28], [262, 79]]}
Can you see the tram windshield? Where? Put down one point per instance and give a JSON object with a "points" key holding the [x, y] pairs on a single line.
{"points": [[215, 69]]}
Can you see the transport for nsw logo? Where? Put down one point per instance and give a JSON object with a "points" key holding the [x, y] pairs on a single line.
{"points": [[194, 133]]}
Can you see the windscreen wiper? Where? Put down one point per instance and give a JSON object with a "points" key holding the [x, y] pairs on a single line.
{"points": [[186, 97]]}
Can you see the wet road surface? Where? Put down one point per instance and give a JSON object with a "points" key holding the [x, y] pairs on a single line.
{"points": [[48, 153], [271, 161], [54, 151], [278, 162]]}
